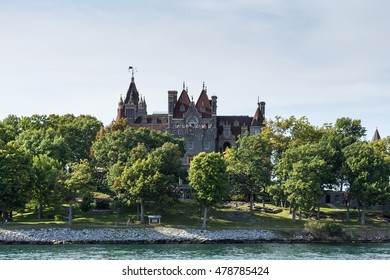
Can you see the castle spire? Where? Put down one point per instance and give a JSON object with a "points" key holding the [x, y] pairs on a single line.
{"points": [[132, 95], [376, 135]]}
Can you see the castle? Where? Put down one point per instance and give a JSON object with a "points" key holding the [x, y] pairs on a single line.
{"points": [[196, 122]]}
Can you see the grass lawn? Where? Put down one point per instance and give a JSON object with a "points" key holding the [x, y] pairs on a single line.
{"points": [[188, 214]]}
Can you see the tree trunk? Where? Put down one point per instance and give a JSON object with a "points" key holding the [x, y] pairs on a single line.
{"points": [[142, 213], [363, 215], [204, 217], [40, 211], [264, 198], [293, 213], [138, 214], [70, 213], [318, 211], [251, 203], [347, 212]]}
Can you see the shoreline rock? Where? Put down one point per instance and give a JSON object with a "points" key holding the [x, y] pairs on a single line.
{"points": [[163, 235]]}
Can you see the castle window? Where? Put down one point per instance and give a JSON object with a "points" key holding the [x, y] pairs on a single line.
{"points": [[236, 123], [226, 133], [207, 145], [182, 108], [190, 145]]}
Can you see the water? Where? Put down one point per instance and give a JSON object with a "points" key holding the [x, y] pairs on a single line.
{"points": [[264, 251]]}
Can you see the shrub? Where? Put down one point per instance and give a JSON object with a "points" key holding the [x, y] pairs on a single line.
{"points": [[323, 229], [87, 203], [334, 229], [238, 197], [58, 217]]}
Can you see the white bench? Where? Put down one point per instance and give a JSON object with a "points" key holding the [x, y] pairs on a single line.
{"points": [[154, 219]]}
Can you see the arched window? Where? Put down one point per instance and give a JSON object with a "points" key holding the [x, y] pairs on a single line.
{"points": [[226, 145]]}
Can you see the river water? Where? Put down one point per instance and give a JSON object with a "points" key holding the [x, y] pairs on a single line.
{"points": [[263, 251]]}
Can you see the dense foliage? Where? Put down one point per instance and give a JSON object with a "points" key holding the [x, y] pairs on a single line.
{"points": [[208, 180], [55, 161]]}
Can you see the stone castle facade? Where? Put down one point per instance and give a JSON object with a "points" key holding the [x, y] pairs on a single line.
{"points": [[198, 123]]}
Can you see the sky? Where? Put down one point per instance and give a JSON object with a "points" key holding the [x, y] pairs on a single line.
{"points": [[319, 59]]}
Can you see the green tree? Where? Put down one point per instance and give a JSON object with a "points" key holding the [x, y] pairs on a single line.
{"points": [[15, 177], [114, 146], [78, 182], [44, 141], [114, 149], [78, 134], [66, 138], [46, 173], [367, 174], [150, 177], [285, 133], [9, 128], [345, 132], [249, 166], [208, 180], [304, 171]]}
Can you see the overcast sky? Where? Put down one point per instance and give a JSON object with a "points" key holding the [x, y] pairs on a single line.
{"points": [[320, 59]]}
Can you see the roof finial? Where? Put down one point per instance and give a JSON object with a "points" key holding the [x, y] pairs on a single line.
{"points": [[133, 70], [184, 85], [203, 85]]}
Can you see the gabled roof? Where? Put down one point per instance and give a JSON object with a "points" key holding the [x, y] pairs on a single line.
{"points": [[183, 101], [203, 105], [258, 118]]}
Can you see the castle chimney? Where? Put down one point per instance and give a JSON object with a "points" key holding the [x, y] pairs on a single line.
{"points": [[214, 105], [172, 99]]}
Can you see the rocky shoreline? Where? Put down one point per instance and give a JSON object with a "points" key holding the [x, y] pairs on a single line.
{"points": [[161, 235]]}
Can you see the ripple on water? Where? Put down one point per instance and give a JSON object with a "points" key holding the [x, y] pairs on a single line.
{"points": [[271, 251]]}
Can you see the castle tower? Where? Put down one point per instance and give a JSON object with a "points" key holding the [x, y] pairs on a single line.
{"points": [[258, 119], [121, 110], [132, 100]]}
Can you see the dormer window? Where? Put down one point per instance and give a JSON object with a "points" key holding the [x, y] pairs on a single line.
{"points": [[236, 123]]}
